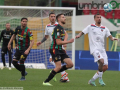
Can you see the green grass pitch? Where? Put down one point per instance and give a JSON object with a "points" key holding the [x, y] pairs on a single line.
{"points": [[78, 80]]}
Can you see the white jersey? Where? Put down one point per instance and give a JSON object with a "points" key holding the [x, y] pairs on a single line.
{"points": [[49, 29], [96, 36]]}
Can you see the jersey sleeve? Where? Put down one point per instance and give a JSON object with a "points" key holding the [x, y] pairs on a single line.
{"points": [[86, 30], [15, 32], [57, 33], [1, 36], [30, 35], [107, 32], [46, 31]]}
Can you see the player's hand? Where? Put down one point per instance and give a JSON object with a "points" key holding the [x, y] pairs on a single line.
{"points": [[64, 45], [26, 52], [114, 39], [9, 47], [38, 43], [77, 36], [71, 40]]}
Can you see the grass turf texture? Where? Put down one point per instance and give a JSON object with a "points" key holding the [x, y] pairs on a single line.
{"points": [[78, 80]]}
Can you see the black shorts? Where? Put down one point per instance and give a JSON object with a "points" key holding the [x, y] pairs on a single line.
{"points": [[19, 55], [58, 55], [4, 50]]}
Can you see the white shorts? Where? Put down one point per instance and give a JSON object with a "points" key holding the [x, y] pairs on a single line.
{"points": [[100, 54]]}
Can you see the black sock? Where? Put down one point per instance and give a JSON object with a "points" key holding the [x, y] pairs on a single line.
{"points": [[10, 58], [51, 75], [3, 59], [22, 68], [16, 65], [62, 69]]}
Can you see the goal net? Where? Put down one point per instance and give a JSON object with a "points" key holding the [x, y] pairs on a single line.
{"points": [[38, 18]]}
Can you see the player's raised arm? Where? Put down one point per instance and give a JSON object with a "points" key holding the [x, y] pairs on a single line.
{"points": [[85, 31], [109, 35], [58, 39], [44, 38]]}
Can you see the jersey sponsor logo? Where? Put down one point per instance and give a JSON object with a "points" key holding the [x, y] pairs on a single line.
{"points": [[22, 57]]}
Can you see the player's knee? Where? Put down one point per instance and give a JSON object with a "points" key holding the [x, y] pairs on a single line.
{"points": [[21, 61], [70, 65]]}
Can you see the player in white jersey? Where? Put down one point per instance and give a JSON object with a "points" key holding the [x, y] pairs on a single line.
{"points": [[97, 33], [48, 32]]}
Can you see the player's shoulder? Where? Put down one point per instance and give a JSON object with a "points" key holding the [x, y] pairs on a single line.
{"points": [[57, 27], [103, 27], [18, 27], [92, 25]]}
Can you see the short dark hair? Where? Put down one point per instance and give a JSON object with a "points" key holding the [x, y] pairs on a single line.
{"points": [[24, 18], [58, 16], [51, 13], [96, 15]]}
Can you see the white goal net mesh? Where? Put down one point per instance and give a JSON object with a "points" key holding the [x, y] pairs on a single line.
{"points": [[37, 20]]}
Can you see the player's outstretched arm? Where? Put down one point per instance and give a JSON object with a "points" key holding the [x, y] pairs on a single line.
{"points": [[79, 35], [60, 42], [112, 38], [43, 40], [11, 40]]}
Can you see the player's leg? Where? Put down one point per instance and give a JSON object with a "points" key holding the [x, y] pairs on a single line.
{"points": [[10, 58], [3, 52], [53, 73], [62, 73], [98, 58], [16, 58], [22, 66]]}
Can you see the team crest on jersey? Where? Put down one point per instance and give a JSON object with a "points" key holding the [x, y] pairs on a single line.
{"points": [[99, 56], [10, 33], [102, 30], [57, 29]]}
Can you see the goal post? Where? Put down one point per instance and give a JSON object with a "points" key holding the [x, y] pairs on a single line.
{"points": [[37, 20]]}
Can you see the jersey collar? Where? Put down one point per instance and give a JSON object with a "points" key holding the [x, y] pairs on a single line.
{"points": [[54, 24], [98, 26]]}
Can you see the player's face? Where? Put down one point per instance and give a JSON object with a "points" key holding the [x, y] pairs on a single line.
{"points": [[62, 19], [98, 19], [7, 26], [52, 18], [24, 23]]}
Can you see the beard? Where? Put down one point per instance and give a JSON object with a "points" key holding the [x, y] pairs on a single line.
{"points": [[99, 22], [63, 22]]}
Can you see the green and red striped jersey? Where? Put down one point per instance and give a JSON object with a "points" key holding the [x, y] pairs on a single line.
{"points": [[24, 37], [58, 33]]}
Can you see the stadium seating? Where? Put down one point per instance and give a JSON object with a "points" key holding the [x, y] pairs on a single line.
{"points": [[86, 11], [94, 11]]}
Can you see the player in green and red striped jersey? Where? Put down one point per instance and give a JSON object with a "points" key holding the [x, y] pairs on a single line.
{"points": [[25, 43]]}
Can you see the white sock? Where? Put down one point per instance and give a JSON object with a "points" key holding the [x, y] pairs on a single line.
{"points": [[95, 77], [100, 75], [52, 62], [63, 72]]}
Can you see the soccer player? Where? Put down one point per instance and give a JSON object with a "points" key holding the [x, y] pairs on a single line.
{"points": [[25, 43], [97, 33], [6, 34], [58, 54], [48, 33]]}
